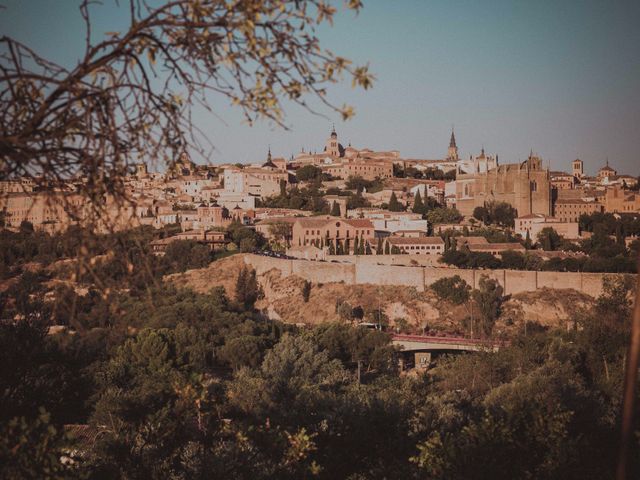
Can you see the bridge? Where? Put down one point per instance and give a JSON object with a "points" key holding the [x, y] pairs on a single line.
{"points": [[417, 350], [433, 343]]}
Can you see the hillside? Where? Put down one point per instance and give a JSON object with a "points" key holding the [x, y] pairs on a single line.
{"points": [[283, 300]]}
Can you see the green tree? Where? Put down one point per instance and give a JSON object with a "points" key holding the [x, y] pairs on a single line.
{"points": [[247, 288], [527, 241], [481, 214], [308, 173], [335, 209], [394, 204], [549, 239], [367, 249], [306, 291], [453, 289], [488, 298], [443, 215], [503, 214], [418, 206], [243, 351]]}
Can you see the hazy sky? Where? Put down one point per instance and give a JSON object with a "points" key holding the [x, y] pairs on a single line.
{"points": [[560, 77]]}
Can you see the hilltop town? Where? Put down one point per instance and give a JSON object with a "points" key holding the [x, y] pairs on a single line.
{"points": [[348, 201]]}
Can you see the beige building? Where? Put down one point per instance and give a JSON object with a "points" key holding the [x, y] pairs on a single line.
{"points": [[535, 223], [260, 182], [51, 212], [214, 240], [342, 162], [327, 230], [617, 200], [562, 180], [526, 186], [570, 209], [417, 245], [606, 172]]}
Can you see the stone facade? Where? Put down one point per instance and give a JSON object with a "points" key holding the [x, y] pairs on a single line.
{"points": [[526, 186], [534, 224], [569, 210], [325, 231]]}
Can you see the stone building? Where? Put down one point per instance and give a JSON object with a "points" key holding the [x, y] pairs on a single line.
{"points": [[606, 172], [526, 186], [562, 180], [617, 200], [345, 162], [570, 209], [535, 223], [326, 231], [262, 182], [417, 245], [578, 168]]}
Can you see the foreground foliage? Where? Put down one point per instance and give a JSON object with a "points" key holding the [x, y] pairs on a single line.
{"points": [[175, 384]]}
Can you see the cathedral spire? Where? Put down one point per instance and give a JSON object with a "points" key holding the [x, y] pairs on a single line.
{"points": [[452, 153]]}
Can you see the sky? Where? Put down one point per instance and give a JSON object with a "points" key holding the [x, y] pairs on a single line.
{"points": [[561, 78]]}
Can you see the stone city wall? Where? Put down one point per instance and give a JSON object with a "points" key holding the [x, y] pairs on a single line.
{"points": [[421, 277]]}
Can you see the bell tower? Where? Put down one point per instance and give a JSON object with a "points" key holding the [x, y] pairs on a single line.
{"points": [[452, 152], [578, 168], [332, 147]]}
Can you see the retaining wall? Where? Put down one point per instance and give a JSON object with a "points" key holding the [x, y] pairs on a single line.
{"points": [[421, 277]]}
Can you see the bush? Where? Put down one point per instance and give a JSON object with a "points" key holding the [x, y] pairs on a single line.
{"points": [[452, 289]]}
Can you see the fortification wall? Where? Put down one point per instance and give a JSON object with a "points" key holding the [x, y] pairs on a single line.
{"points": [[262, 264], [322, 272], [592, 284], [391, 275], [432, 275], [421, 277], [408, 260], [517, 281]]}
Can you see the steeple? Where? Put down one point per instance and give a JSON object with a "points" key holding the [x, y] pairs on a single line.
{"points": [[452, 152], [269, 163], [333, 131]]}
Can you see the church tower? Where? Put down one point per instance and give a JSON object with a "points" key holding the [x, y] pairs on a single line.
{"points": [[578, 168], [333, 148], [452, 153]]}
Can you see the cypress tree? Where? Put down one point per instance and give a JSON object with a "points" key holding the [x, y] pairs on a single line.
{"points": [[418, 206], [379, 247], [387, 249], [335, 209], [356, 247], [367, 250], [394, 205], [527, 241]]}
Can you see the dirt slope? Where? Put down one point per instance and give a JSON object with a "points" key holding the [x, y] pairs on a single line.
{"points": [[283, 300]]}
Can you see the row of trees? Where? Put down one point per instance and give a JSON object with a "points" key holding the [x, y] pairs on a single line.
{"points": [[514, 260]]}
